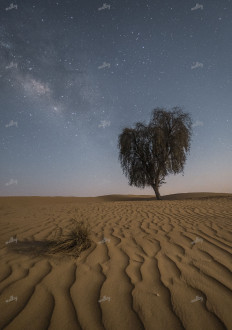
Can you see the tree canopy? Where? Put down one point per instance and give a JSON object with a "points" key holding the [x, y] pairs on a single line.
{"points": [[148, 153]]}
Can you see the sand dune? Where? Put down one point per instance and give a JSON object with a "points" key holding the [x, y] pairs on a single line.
{"points": [[166, 265]]}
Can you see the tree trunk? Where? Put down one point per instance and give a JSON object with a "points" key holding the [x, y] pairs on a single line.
{"points": [[156, 190]]}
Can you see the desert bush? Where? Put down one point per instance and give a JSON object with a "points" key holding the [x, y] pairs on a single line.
{"points": [[72, 241]]}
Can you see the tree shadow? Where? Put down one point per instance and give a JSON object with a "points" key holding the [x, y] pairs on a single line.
{"points": [[125, 198]]}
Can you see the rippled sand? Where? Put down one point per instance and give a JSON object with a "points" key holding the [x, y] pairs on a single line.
{"points": [[160, 256]]}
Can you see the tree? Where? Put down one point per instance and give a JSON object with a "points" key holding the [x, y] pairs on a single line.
{"points": [[149, 153]]}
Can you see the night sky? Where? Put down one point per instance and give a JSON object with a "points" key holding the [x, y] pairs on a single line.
{"points": [[74, 73]]}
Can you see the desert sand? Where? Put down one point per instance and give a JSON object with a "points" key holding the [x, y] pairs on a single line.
{"points": [[163, 265]]}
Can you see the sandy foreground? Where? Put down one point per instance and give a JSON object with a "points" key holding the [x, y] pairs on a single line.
{"points": [[166, 264]]}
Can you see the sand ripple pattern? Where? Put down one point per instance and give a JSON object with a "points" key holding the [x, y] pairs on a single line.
{"points": [[159, 257]]}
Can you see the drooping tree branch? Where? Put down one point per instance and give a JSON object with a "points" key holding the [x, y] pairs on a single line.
{"points": [[149, 153]]}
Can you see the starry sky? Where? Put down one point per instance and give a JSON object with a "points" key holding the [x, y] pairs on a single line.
{"points": [[74, 73]]}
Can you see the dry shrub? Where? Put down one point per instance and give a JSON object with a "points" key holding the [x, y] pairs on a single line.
{"points": [[73, 241]]}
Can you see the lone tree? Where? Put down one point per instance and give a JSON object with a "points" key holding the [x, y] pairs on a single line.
{"points": [[149, 153]]}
